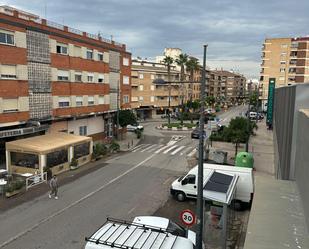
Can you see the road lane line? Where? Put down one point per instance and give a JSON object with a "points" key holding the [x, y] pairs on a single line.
{"points": [[72, 204], [163, 148], [186, 150], [131, 210], [169, 149], [177, 150], [167, 180], [151, 146]]}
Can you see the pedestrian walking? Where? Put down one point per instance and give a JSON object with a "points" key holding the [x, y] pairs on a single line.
{"points": [[53, 184]]}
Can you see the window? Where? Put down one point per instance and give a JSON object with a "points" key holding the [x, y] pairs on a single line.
{"points": [[141, 76], [62, 48], [57, 157], [283, 54], [125, 99], [63, 75], [125, 61], [100, 56], [292, 70], [25, 160], [126, 80], [152, 98], [141, 98], [78, 77], [82, 149], [64, 101], [282, 70], [90, 77], [77, 51], [281, 78], [190, 179], [141, 87], [8, 71], [89, 54], [284, 45], [101, 78], [152, 87], [82, 132], [79, 101], [152, 76], [90, 100], [6, 38], [10, 105], [101, 100], [282, 62]]}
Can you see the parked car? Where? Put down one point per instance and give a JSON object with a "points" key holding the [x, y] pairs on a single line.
{"points": [[165, 224], [135, 127], [196, 133], [185, 186], [116, 233]]}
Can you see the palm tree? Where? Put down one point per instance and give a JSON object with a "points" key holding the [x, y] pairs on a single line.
{"points": [[192, 65], [168, 61], [181, 61]]}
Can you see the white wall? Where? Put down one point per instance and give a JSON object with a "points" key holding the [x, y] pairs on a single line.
{"points": [[94, 125]]}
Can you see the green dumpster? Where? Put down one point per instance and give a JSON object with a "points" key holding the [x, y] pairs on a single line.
{"points": [[244, 159]]}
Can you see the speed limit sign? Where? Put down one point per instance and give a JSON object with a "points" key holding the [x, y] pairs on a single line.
{"points": [[187, 217]]}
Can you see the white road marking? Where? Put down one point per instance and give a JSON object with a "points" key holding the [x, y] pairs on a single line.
{"points": [[142, 147], [167, 180], [172, 142], [177, 150], [151, 146], [169, 149], [131, 210], [163, 148], [72, 204], [137, 146], [186, 150], [192, 153], [156, 147]]}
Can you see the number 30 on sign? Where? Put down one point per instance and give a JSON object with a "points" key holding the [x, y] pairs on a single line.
{"points": [[187, 217]]}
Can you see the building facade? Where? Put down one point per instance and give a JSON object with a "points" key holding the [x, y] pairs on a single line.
{"points": [[56, 78], [149, 99], [286, 60]]}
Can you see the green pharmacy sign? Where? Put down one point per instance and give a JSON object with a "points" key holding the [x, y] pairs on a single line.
{"points": [[270, 101]]}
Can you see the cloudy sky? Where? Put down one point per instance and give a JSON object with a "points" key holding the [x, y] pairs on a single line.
{"points": [[233, 29]]}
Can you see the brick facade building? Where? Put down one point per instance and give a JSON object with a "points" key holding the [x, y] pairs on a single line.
{"points": [[56, 78]]}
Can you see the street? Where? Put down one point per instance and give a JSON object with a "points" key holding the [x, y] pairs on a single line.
{"points": [[134, 183]]}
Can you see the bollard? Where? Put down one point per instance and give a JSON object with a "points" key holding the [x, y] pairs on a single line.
{"points": [[128, 145]]}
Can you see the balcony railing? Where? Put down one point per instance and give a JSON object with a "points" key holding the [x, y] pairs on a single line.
{"points": [[22, 131]]}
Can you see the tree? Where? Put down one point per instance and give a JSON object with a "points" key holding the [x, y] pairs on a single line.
{"points": [[168, 61], [181, 61], [253, 99], [210, 100], [192, 65], [126, 117]]}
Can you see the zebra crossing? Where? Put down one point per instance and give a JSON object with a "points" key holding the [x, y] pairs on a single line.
{"points": [[166, 149]]}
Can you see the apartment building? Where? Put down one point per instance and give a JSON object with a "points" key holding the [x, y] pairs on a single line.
{"points": [[231, 86], [56, 78], [286, 60], [149, 99]]}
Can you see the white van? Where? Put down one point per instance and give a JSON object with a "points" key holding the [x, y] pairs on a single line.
{"points": [[186, 186], [124, 234]]}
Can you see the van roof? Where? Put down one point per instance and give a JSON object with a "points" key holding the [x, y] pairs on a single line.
{"points": [[129, 235], [222, 167]]}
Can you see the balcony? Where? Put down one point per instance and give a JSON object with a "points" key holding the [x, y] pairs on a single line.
{"points": [[23, 131]]}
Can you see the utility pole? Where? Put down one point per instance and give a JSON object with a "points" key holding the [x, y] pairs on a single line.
{"points": [[200, 180], [248, 117], [169, 92], [118, 100]]}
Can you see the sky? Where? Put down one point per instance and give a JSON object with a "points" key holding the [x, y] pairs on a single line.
{"points": [[233, 29]]}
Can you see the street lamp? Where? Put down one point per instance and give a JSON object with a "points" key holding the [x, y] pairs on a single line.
{"points": [[200, 180]]}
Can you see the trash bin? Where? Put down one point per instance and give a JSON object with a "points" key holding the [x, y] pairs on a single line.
{"points": [[244, 159]]}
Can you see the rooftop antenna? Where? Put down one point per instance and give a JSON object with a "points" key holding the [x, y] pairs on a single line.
{"points": [[45, 8], [111, 37]]}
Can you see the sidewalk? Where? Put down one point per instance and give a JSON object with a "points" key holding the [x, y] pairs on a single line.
{"points": [[276, 218], [128, 141]]}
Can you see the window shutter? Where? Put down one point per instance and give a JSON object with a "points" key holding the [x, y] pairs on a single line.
{"points": [[8, 69], [10, 104]]}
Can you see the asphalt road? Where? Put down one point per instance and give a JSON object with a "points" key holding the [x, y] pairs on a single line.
{"points": [[136, 183]]}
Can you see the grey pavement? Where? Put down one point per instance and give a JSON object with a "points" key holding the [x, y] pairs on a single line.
{"points": [[276, 219]]}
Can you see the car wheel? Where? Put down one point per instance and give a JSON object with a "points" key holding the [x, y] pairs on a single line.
{"points": [[180, 196]]}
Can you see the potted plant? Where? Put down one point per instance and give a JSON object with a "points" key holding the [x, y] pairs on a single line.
{"points": [[14, 187], [74, 164]]}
